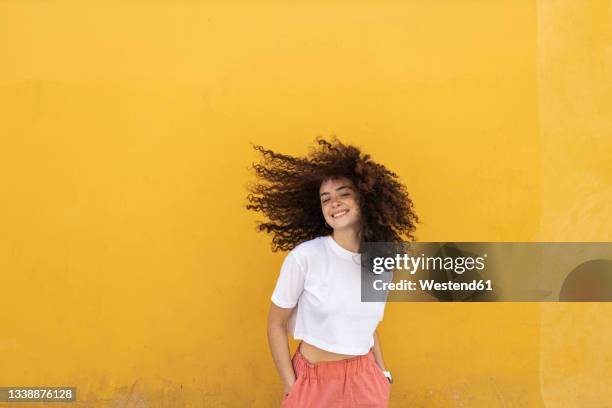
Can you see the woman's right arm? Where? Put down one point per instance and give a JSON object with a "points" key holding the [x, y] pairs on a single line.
{"points": [[279, 344]]}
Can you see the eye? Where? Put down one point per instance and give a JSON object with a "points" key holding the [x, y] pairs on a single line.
{"points": [[324, 201]]}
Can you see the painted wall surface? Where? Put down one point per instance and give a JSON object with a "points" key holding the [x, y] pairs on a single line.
{"points": [[575, 113], [130, 268]]}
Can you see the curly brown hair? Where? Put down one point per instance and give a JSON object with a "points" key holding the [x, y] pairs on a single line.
{"points": [[287, 193]]}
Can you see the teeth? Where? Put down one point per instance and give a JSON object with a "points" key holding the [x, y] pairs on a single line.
{"points": [[338, 214]]}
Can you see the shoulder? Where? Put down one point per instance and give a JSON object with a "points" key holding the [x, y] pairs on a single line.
{"points": [[310, 248], [309, 252], [306, 256]]}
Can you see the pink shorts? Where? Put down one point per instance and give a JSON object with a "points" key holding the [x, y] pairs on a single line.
{"points": [[356, 382]]}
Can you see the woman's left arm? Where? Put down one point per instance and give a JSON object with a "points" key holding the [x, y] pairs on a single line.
{"points": [[377, 350]]}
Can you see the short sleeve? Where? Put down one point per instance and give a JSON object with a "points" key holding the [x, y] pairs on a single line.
{"points": [[290, 283]]}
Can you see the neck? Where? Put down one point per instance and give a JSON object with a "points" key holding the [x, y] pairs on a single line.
{"points": [[348, 238]]}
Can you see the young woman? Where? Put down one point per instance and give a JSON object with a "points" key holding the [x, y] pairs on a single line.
{"points": [[322, 208]]}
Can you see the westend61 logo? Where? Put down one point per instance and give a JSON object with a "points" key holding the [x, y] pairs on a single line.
{"points": [[445, 271], [413, 264], [486, 271]]}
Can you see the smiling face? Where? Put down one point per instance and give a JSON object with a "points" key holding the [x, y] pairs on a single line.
{"points": [[339, 203]]}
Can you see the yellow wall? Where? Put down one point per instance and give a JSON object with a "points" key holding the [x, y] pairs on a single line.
{"points": [[130, 268], [575, 111]]}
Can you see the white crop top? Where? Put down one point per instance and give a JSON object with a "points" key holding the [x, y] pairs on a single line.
{"points": [[324, 280]]}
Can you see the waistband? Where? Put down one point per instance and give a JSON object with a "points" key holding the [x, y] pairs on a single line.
{"points": [[332, 369]]}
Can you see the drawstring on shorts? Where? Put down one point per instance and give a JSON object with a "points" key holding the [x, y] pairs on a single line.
{"points": [[327, 369]]}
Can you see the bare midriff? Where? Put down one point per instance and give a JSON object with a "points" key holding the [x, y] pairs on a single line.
{"points": [[315, 355]]}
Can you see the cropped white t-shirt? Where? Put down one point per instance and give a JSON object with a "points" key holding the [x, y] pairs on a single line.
{"points": [[324, 281]]}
